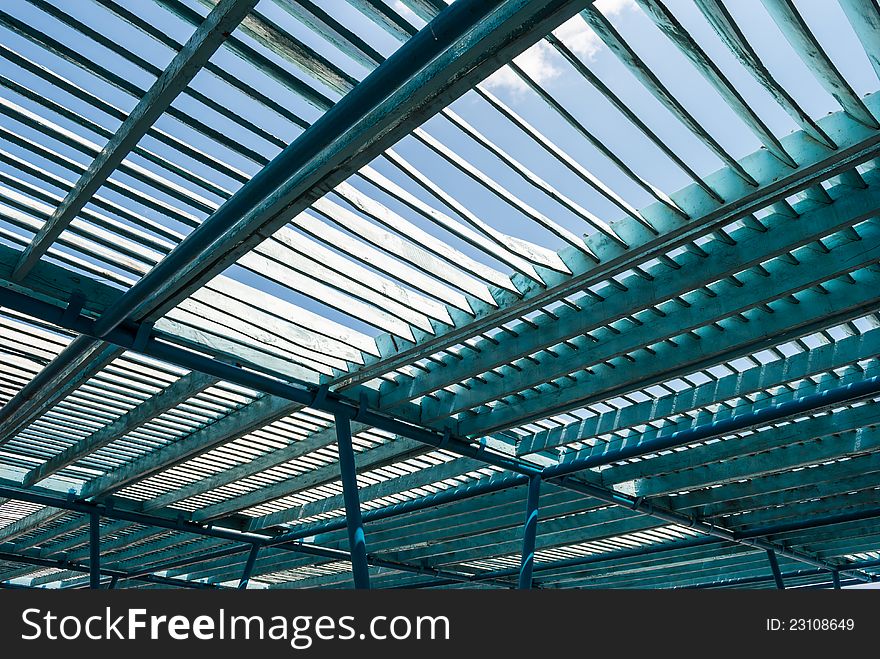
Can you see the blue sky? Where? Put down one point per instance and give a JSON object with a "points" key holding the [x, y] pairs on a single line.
{"points": [[824, 18]]}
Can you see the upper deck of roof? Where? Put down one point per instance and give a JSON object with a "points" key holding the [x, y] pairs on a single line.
{"points": [[544, 230]]}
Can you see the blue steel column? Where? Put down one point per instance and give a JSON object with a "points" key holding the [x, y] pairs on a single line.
{"points": [[774, 566], [94, 550], [249, 566], [835, 579], [529, 534], [356, 539]]}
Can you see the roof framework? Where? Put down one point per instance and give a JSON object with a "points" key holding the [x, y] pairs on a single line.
{"points": [[282, 306]]}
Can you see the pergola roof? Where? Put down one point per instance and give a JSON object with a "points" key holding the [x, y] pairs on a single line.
{"points": [[229, 227]]}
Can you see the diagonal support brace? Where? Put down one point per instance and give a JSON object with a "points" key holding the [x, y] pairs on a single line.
{"points": [[249, 567], [356, 539], [774, 566]]}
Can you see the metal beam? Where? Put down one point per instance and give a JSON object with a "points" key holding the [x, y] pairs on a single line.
{"points": [[705, 216], [357, 544], [248, 567], [375, 458], [829, 365], [837, 301], [421, 478], [503, 33], [251, 417], [244, 540], [94, 550], [673, 517], [335, 405], [131, 336], [530, 530], [774, 567], [77, 567]]}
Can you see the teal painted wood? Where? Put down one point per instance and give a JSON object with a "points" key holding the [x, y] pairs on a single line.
{"points": [[693, 201], [120, 82], [180, 391], [623, 108], [459, 527], [834, 301], [808, 492], [81, 359], [861, 465], [223, 430], [808, 48], [727, 340], [647, 556], [352, 109], [729, 32], [757, 381], [664, 463], [711, 571], [24, 525], [666, 21], [459, 522], [782, 235], [318, 439], [865, 20], [110, 548], [851, 531], [563, 532], [849, 502], [779, 280], [501, 510], [610, 36], [654, 513], [748, 445], [421, 478], [864, 440], [382, 455]]}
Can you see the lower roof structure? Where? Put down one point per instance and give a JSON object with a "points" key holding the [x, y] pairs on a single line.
{"points": [[300, 294]]}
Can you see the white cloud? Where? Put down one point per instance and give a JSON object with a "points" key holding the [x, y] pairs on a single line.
{"points": [[407, 13], [612, 7], [539, 62]]}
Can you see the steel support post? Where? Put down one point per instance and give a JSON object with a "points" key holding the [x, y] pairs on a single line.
{"points": [[835, 579], [774, 566], [530, 532], [356, 539], [94, 550], [249, 567]]}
